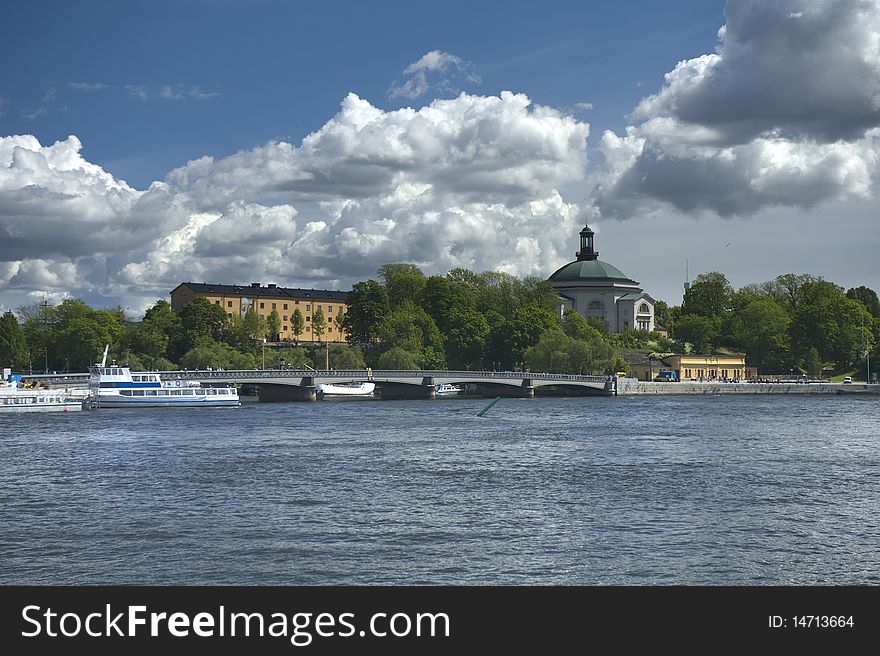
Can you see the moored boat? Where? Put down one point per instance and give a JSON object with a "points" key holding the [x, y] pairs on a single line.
{"points": [[112, 386], [348, 389], [447, 389], [15, 399]]}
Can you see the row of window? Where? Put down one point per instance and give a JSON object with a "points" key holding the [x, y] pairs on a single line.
{"points": [[712, 373], [209, 391], [274, 306]]}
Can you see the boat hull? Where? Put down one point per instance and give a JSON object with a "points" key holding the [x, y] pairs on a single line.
{"points": [[65, 406], [326, 389], [171, 402]]}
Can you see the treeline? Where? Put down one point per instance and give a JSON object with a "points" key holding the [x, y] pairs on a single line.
{"points": [[470, 321], [794, 322], [466, 320], [72, 335]]}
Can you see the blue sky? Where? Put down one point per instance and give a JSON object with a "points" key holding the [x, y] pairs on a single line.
{"points": [[741, 147]]}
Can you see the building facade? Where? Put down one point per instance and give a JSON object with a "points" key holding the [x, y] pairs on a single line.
{"points": [[236, 300], [599, 290], [710, 367]]}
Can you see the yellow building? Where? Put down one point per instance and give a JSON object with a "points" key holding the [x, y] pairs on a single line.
{"points": [[236, 300], [709, 367]]}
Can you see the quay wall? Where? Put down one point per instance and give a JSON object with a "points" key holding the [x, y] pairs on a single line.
{"points": [[633, 387]]}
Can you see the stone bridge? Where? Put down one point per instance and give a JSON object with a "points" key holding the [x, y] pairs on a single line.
{"points": [[300, 385]]}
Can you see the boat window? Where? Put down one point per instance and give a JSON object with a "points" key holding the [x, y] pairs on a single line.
{"points": [[139, 392]]}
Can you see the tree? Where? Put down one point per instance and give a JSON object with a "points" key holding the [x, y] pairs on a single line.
{"points": [[832, 323], [199, 319], [404, 282], [812, 363], [13, 347], [367, 307], [398, 358], [273, 325], [697, 330], [761, 329], [343, 356], [556, 352], [868, 298], [709, 295], [297, 324], [412, 329], [319, 323], [465, 338]]}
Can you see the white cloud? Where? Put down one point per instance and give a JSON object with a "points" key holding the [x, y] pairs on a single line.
{"points": [[786, 112], [471, 181], [87, 86], [437, 71], [177, 91]]}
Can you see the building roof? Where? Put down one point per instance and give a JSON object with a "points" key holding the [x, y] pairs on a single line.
{"points": [[255, 289], [589, 270], [635, 296]]}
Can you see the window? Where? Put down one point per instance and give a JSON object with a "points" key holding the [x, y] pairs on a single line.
{"points": [[262, 305], [284, 328], [308, 317], [285, 318], [273, 306], [285, 306], [643, 308], [625, 325], [329, 309], [308, 307], [308, 329], [318, 307], [228, 303], [296, 302], [216, 302], [329, 329], [595, 305]]}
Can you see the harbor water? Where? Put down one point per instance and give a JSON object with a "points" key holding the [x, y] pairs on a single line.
{"points": [[715, 490]]}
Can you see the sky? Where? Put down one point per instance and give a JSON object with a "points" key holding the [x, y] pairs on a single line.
{"points": [[148, 143]]}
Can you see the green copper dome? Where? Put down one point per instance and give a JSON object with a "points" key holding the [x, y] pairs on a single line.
{"points": [[587, 270]]}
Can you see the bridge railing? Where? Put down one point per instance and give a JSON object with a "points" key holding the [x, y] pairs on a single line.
{"points": [[365, 374]]}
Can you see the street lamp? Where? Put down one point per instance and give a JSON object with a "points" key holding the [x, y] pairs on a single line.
{"points": [[264, 354]]}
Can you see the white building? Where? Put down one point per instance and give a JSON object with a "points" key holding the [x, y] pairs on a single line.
{"points": [[599, 290]]}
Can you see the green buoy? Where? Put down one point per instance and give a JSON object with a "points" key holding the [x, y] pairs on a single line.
{"points": [[483, 411]]}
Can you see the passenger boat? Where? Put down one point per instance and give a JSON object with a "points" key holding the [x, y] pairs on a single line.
{"points": [[112, 386], [447, 389], [14, 398], [348, 389]]}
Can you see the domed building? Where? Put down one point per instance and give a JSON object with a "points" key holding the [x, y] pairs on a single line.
{"points": [[600, 290]]}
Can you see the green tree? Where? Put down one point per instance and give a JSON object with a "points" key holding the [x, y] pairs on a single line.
{"points": [[867, 297], [215, 354], [297, 324], [465, 338], [199, 319], [398, 358], [404, 283], [557, 352], [319, 323], [412, 329], [13, 346], [273, 325], [812, 363], [343, 356], [710, 295], [829, 321], [367, 307], [761, 329], [697, 330]]}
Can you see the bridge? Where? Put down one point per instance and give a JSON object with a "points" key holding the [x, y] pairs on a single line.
{"points": [[300, 384]]}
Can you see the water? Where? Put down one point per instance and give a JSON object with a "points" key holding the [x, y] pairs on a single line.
{"points": [[590, 491]]}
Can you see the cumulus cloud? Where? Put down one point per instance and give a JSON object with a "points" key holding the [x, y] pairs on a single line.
{"points": [[471, 181], [436, 71], [785, 112]]}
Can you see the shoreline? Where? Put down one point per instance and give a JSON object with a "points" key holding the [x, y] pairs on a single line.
{"points": [[632, 387]]}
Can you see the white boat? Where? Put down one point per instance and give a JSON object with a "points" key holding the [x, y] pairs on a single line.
{"points": [[118, 387], [447, 389], [347, 389], [14, 398]]}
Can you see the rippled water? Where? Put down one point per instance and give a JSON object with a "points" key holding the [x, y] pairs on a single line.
{"points": [[628, 490]]}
